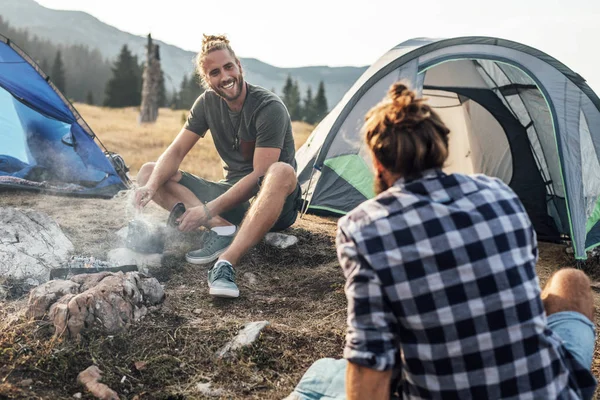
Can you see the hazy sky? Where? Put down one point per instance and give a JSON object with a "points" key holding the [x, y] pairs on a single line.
{"points": [[336, 32]]}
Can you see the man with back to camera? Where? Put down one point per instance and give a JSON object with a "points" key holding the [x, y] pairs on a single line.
{"points": [[252, 131], [443, 297]]}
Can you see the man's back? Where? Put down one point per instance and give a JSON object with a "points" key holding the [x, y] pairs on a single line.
{"points": [[443, 269]]}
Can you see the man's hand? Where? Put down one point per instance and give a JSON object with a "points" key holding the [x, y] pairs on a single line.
{"points": [[143, 195], [193, 218]]}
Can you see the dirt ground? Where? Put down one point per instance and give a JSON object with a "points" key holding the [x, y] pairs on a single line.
{"points": [[299, 291]]}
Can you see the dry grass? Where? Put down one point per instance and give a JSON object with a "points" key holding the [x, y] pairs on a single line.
{"points": [[119, 131]]}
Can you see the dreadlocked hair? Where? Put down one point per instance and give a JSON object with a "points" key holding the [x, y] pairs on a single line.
{"points": [[405, 135], [211, 43]]}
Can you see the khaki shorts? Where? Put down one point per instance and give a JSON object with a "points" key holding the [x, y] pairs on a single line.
{"points": [[206, 191]]}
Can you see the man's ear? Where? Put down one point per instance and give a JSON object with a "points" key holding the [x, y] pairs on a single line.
{"points": [[240, 66], [378, 167]]}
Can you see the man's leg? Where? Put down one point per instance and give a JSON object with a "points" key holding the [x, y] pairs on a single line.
{"points": [[279, 182], [172, 193], [569, 290], [569, 305]]}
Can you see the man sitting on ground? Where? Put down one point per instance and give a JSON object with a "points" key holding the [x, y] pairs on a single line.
{"points": [[252, 132], [443, 297]]}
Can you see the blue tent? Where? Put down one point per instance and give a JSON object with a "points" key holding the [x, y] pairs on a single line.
{"points": [[44, 142]]}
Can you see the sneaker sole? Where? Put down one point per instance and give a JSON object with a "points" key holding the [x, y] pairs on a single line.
{"points": [[220, 292], [204, 260]]}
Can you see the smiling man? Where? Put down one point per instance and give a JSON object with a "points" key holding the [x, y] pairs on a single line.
{"points": [[252, 132]]}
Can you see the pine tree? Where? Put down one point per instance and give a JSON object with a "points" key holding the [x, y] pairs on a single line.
{"points": [[124, 89], [308, 110], [90, 98], [320, 102], [291, 99], [189, 91], [58, 73], [45, 66]]}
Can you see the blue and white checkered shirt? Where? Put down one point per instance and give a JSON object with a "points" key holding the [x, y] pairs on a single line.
{"points": [[442, 288]]}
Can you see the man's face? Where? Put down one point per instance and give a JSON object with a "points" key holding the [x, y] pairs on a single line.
{"points": [[224, 74]]}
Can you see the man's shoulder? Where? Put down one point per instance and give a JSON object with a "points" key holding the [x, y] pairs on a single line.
{"points": [[262, 98], [390, 202]]}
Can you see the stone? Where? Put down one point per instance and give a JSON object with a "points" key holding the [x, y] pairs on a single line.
{"points": [[280, 240], [31, 245], [77, 395], [251, 278], [140, 365], [90, 379], [26, 383], [106, 300], [244, 338], [122, 233], [207, 390], [124, 256], [42, 297]]}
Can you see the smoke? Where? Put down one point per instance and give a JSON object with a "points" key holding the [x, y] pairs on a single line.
{"points": [[145, 231]]}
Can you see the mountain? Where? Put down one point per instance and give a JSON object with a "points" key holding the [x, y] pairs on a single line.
{"points": [[76, 27]]}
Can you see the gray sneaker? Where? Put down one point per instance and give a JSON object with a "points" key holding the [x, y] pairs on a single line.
{"points": [[214, 246], [221, 280]]}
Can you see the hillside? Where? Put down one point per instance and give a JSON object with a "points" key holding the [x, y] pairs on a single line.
{"points": [[76, 27]]}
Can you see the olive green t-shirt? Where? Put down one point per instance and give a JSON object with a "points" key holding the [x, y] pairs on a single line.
{"points": [[263, 122]]}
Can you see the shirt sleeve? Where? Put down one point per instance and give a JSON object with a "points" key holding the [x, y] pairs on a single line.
{"points": [[196, 121], [272, 122], [371, 339]]}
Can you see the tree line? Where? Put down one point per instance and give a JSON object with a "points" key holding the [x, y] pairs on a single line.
{"points": [[310, 109], [83, 75]]}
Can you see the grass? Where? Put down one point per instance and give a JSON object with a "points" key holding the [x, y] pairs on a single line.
{"points": [[119, 131]]}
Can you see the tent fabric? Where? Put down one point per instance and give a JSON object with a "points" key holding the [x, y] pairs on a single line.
{"points": [[44, 142], [516, 113]]}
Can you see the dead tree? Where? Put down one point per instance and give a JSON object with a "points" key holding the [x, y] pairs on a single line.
{"points": [[150, 87]]}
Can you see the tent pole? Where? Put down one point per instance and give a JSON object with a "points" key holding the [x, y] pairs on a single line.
{"points": [[304, 209]]}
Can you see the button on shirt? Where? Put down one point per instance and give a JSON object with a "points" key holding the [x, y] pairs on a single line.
{"points": [[442, 288]]}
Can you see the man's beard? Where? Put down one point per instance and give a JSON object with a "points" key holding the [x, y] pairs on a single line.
{"points": [[380, 184], [239, 85]]}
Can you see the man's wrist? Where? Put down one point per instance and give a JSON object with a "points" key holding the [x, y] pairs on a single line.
{"points": [[207, 211]]}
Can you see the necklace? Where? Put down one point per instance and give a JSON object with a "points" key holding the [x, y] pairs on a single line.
{"points": [[236, 129]]}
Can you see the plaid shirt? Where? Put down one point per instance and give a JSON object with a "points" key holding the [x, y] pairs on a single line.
{"points": [[442, 288]]}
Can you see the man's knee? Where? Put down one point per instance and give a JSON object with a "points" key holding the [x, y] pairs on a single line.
{"points": [[569, 290], [144, 173], [282, 175]]}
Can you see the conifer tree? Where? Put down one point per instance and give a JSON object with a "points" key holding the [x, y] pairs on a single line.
{"points": [[45, 66], [189, 90], [124, 89], [308, 110], [291, 99], [320, 102], [57, 75], [89, 99]]}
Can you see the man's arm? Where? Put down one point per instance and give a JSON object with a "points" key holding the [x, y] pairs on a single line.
{"points": [[371, 336], [366, 383], [167, 165]]}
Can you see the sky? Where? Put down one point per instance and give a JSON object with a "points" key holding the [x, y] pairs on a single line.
{"points": [[354, 32]]}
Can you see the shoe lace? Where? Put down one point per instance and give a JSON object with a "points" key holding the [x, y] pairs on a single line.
{"points": [[224, 271]]}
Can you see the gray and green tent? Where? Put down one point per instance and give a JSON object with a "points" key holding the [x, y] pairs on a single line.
{"points": [[514, 112]]}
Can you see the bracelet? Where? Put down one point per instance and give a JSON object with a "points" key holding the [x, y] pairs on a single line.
{"points": [[207, 212]]}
